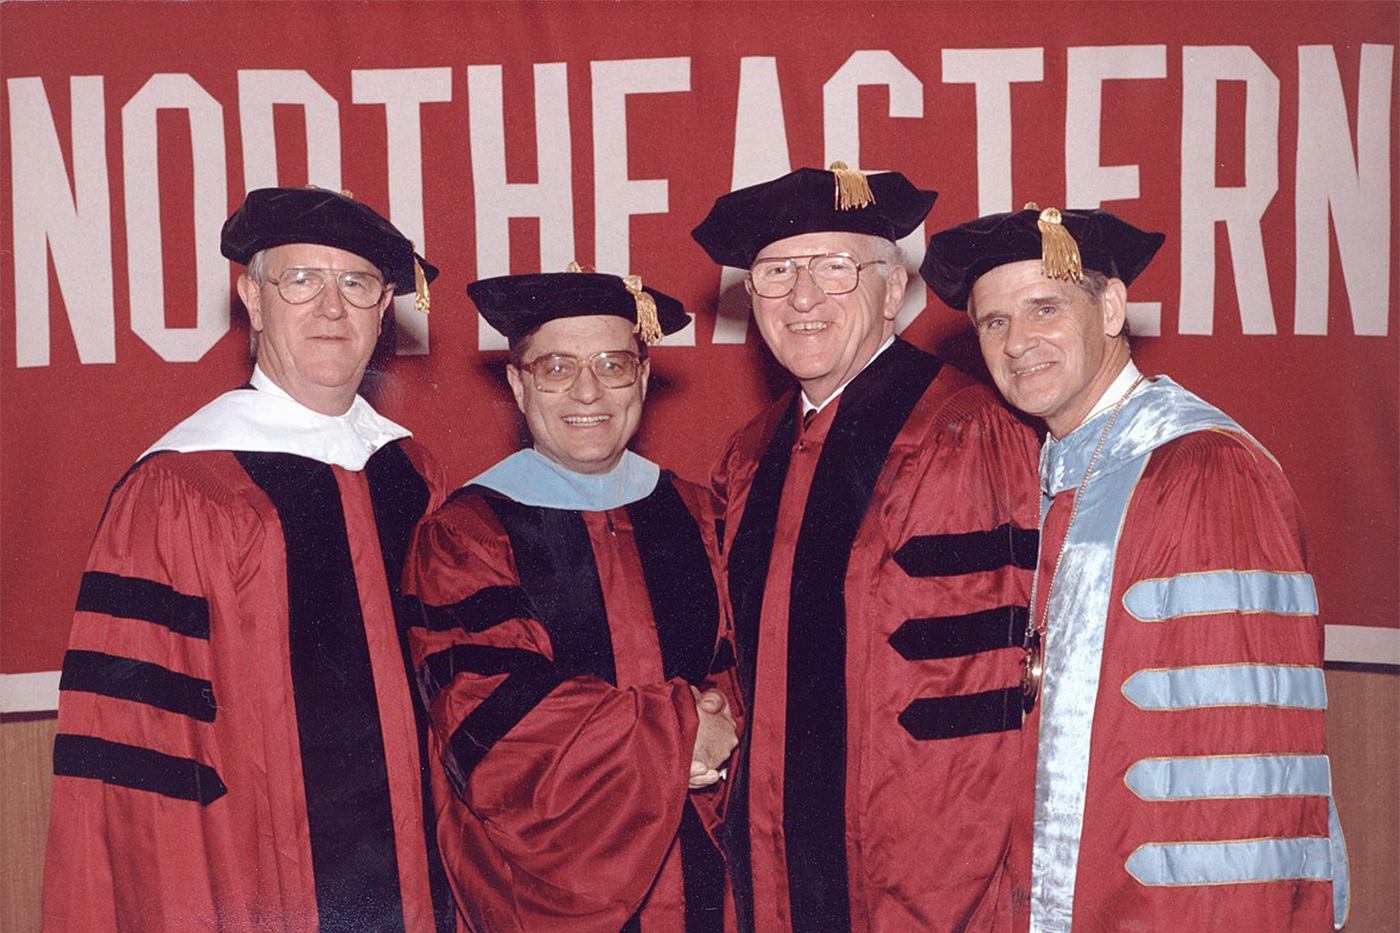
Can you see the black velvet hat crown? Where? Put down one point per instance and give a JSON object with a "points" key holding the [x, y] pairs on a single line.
{"points": [[810, 200], [959, 256], [517, 304], [277, 216]]}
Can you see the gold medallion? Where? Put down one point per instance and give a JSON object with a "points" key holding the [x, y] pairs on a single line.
{"points": [[1032, 670]]}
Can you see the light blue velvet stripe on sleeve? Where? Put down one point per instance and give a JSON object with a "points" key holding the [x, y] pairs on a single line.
{"points": [[1194, 594], [1231, 862], [1230, 776], [1227, 685]]}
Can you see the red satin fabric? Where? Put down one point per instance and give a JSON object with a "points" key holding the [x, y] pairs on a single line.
{"points": [[1207, 501], [121, 859], [569, 821], [927, 822]]}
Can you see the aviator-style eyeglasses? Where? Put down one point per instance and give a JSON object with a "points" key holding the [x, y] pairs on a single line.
{"points": [[833, 273], [557, 372], [299, 285]]}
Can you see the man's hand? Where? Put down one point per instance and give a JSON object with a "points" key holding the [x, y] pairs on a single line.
{"points": [[714, 740]]}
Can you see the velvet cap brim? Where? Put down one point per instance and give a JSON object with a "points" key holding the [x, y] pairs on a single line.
{"points": [[743, 222], [279, 216], [517, 304], [959, 256]]}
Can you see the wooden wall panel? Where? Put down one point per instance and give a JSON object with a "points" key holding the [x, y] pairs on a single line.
{"points": [[1363, 724], [1363, 740], [26, 784]]}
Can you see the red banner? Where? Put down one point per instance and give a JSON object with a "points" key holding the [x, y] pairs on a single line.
{"points": [[515, 137]]}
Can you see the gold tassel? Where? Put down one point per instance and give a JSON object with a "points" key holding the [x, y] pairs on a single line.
{"points": [[1059, 254], [420, 282], [573, 266], [852, 188], [648, 329], [344, 192]]}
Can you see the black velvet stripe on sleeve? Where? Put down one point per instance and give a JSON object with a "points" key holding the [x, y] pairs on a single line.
{"points": [[747, 569], [969, 552], [400, 497], [85, 756], [136, 598], [680, 582], [484, 609], [139, 682], [554, 558], [555, 562], [440, 667], [496, 715], [955, 717], [873, 409], [345, 775], [957, 636]]}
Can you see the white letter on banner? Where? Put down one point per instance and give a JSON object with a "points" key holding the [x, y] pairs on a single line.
{"points": [[1087, 182], [760, 153], [616, 197], [992, 71], [403, 91], [144, 263], [551, 199], [841, 119], [1355, 188], [258, 90], [1242, 208], [75, 224]]}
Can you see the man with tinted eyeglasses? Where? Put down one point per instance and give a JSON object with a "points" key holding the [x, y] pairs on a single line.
{"points": [[238, 746], [570, 648], [880, 527]]}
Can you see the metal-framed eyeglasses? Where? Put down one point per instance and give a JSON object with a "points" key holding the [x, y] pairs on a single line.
{"points": [[557, 372], [833, 273], [300, 284]]}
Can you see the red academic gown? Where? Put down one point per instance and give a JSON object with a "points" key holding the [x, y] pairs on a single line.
{"points": [[556, 654], [236, 742], [1172, 763], [878, 564]]}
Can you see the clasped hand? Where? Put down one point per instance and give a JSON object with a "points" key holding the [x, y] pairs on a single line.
{"points": [[714, 740]]}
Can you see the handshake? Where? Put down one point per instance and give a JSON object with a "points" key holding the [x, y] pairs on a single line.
{"points": [[714, 740]]}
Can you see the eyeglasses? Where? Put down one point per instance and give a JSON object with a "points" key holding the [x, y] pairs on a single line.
{"points": [[833, 273], [298, 285], [557, 372]]}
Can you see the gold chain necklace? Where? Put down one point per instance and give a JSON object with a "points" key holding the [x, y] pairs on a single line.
{"points": [[1033, 664]]}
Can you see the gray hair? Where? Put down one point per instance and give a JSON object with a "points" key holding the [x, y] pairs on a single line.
{"points": [[886, 251], [257, 268], [1093, 285]]}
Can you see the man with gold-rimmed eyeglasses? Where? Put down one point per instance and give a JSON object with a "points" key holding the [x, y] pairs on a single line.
{"points": [[570, 646], [239, 746], [879, 529]]}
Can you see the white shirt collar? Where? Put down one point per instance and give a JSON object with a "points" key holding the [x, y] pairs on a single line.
{"points": [[809, 405], [1116, 389], [268, 420]]}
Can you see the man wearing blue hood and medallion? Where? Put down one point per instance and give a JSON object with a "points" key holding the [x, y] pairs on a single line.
{"points": [[1174, 774]]}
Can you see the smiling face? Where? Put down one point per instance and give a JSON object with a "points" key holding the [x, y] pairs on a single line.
{"points": [[315, 351], [1051, 350], [822, 339], [587, 428]]}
